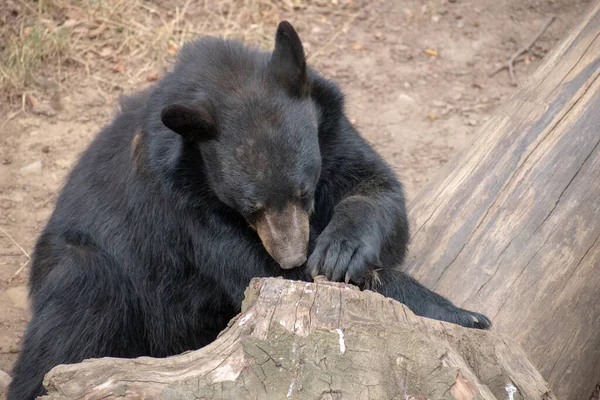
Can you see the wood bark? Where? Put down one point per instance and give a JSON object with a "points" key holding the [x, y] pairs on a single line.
{"points": [[299, 340], [510, 227]]}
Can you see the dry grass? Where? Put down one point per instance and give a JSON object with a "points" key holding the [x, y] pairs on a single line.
{"points": [[115, 41]]}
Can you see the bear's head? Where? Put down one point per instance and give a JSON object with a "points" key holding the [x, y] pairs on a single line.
{"points": [[255, 125]]}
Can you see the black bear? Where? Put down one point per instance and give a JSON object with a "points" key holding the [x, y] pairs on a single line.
{"points": [[238, 164]]}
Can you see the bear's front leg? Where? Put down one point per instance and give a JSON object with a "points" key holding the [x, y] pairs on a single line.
{"points": [[352, 242], [365, 242]]}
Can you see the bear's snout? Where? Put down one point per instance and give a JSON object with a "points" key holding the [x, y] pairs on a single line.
{"points": [[284, 234], [293, 262]]}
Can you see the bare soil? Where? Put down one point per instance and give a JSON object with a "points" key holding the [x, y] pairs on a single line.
{"points": [[416, 76]]}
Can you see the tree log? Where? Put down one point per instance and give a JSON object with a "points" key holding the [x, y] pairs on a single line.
{"points": [[299, 340], [510, 226]]}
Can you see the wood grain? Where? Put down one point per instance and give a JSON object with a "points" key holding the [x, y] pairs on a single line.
{"points": [[299, 340], [510, 226]]}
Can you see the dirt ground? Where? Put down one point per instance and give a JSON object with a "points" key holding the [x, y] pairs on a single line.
{"points": [[416, 74]]}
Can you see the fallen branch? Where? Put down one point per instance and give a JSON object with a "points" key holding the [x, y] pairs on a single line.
{"points": [[22, 267], [517, 56], [509, 226]]}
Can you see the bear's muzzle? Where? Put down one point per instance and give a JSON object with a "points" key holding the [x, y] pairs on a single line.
{"points": [[284, 234]]}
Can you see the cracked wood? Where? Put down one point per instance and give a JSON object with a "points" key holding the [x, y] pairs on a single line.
{"points": [[350, 344], [509, 226]]}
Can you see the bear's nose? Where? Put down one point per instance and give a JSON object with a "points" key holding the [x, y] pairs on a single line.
{"points": [[293, 261], [284, 234]]}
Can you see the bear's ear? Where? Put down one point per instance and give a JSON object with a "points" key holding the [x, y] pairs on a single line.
{"points": [[288, 63], [193, 123]]}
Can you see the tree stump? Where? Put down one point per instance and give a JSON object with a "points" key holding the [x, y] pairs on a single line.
{"points": [[299, 340], [510, 226]]}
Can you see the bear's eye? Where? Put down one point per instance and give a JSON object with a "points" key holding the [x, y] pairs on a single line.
{"points": [[252, 208], [303, 194]]}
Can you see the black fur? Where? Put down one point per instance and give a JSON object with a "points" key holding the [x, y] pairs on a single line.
{"points": [[150, 247]]}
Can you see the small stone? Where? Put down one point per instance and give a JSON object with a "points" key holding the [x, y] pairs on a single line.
{"points": [[446, 111], [436, 18], [46, 149], [35, 168], [43, 109], [438, 103], [4, 381], [405, 99], [472, 122], [406, 85]]}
